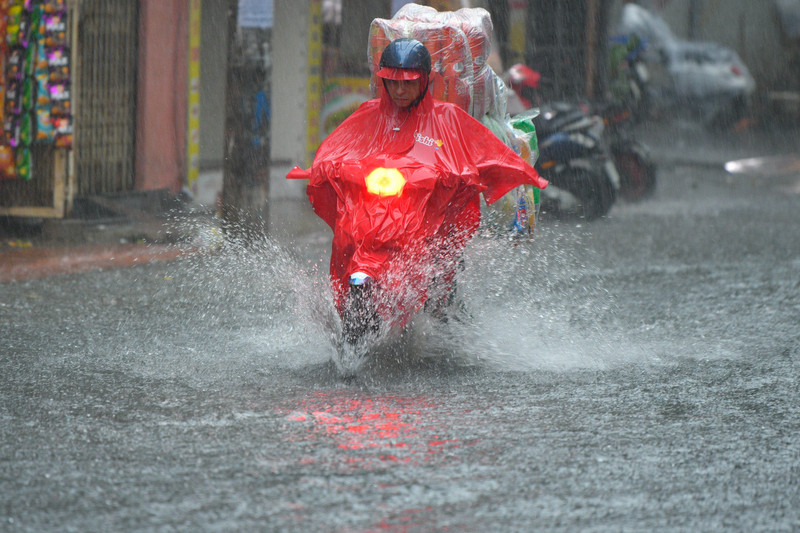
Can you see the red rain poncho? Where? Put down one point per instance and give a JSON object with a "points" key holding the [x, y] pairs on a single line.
{"points": [[447, 159]]}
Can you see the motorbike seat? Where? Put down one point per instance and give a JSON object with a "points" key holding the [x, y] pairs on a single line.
{"points": [[556, 117]]}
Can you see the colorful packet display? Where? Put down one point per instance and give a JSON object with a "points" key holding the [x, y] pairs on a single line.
{"points": [[23, 29], [8, 168], [44, 126], [59, 98], [8, 163], [13, 19], [53, 55], [28, 86], [13, 104], [42, 92], [2, 80], [57, 61], [54, 6], [55, 29], [35, 80], [13, 131], [14, 65], [42, 76], [23, 161], [41, 57], [63, 131], [8, 129], [25, 130]]}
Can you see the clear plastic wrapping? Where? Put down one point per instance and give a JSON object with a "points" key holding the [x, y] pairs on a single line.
{"points": [[459, 43]]}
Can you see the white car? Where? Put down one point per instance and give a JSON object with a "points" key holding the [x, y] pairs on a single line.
{"points": [[706, 79]]}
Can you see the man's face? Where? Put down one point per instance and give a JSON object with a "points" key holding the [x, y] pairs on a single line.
{"points": [[403, 92]]}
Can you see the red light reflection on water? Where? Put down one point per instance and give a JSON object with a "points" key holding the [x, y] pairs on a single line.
{"points": [[343, 431], [397, 429]]}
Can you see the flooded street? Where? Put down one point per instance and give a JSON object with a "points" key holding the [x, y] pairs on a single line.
{"points": [[638, 373]]}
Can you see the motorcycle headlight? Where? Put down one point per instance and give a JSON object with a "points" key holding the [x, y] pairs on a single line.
{"points": [[385, 182]]}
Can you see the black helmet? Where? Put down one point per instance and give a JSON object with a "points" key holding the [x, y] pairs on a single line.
{"points": [[406, 54]]}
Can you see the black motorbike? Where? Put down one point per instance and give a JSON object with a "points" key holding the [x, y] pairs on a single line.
{"points": [[589, 164], [575, 159], [635, 165]]}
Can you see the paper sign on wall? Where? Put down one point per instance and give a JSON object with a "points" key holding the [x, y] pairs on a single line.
{"points": [[255, 14]]}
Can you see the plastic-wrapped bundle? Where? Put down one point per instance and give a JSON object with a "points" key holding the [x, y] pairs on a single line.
{"points": [[481, 46], [476, 23], [418, 13], [459, 43], [498, 103], [516, 212], [451, 74], [476, 26]]}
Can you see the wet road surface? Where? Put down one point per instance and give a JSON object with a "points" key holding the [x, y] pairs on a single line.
{"points": [[639, 373]]}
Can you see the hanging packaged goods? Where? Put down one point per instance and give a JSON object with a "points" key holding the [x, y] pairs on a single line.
{"points": [[36, 107]]}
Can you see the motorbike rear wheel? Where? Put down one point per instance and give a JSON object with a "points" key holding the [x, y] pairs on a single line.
{"points": [[637, 172], [593, 190]]}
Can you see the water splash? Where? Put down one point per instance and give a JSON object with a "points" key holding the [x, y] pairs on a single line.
{"points": [[521, 306]]}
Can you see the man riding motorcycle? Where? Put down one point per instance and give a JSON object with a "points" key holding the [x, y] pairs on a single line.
{"points": [[442, 158]]}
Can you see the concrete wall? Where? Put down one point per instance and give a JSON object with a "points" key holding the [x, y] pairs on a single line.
{"points": [[289, 75], [213, 60], [289, 85]]}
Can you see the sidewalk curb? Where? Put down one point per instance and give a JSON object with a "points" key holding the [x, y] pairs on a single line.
{"points": [[37, 263]]}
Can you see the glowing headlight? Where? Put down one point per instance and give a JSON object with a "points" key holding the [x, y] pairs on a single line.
{"points": [[385, 182]]}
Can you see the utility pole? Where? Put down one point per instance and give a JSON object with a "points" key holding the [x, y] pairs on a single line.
{"points": [[693, 12], [498, 9], [245, 181], [592, 15]]}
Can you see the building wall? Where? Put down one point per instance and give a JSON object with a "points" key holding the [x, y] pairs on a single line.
{"points": [[289, 105], [213, 64], [289, 75], [161, 99]]}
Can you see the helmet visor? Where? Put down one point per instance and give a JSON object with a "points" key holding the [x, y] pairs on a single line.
{"points": [[399, 74]]}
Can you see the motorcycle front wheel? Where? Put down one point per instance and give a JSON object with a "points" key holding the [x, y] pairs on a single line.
{"points": [[360, 317]]}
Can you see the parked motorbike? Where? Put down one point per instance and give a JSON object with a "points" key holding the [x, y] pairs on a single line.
{"points": [[628, 74], [570, 138], [635, 165], [573, 157]]}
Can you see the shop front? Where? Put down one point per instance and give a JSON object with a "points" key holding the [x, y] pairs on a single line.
{"points": [[37, 116], [95, 101]]}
